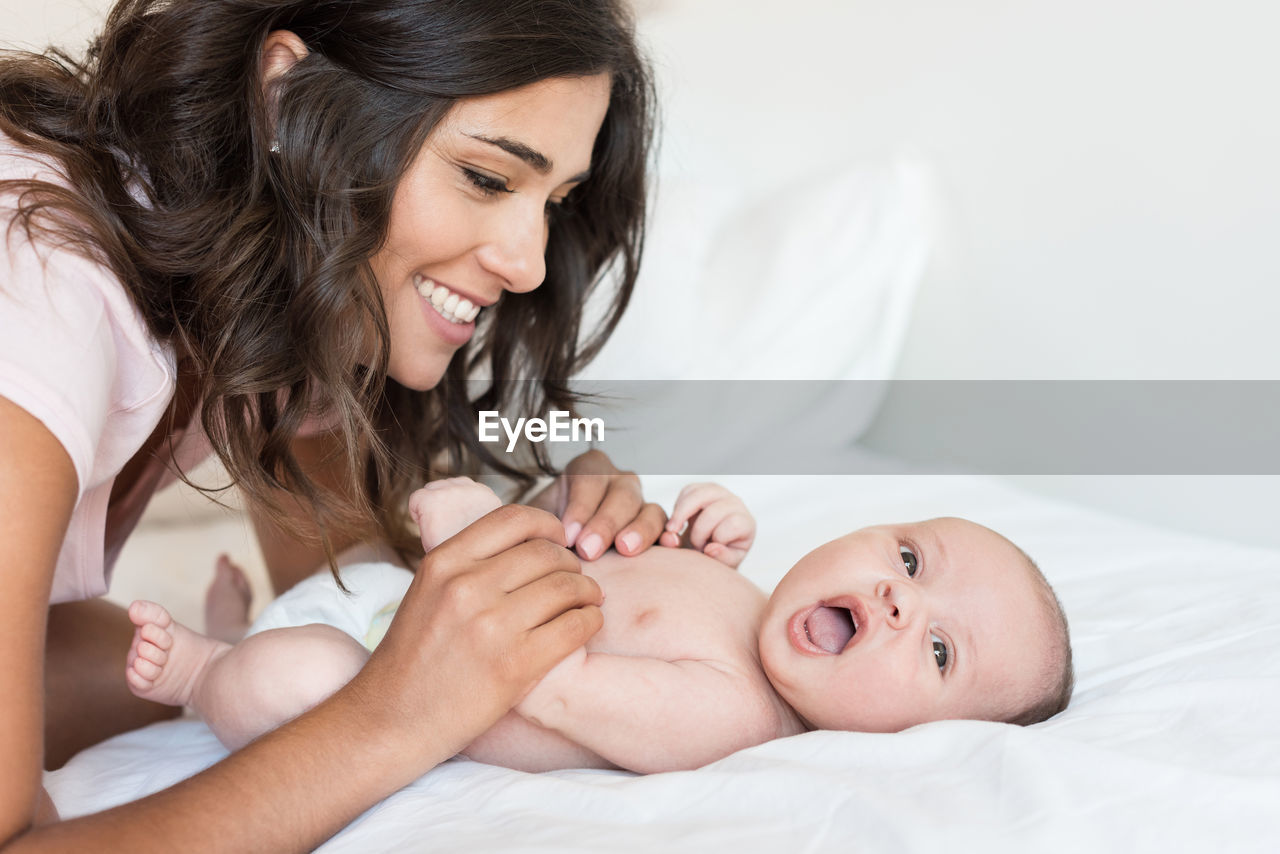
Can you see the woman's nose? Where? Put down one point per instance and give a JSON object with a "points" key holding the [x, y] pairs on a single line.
{"points": [[900, 603], [516, 251]]}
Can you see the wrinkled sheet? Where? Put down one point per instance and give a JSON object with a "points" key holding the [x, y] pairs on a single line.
{"points": [[1170, 744]]}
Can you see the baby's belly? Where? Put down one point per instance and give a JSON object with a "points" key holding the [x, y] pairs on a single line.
{"points": [[665, 603], [514, 742]]}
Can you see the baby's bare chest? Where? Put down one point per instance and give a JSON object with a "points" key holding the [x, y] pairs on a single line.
{"points": [[676, 604]]}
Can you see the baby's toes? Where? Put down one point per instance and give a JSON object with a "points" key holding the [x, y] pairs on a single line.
{"points": [[136, 680], [162, 639], [145, 668], [152, 654], [142, 612]]}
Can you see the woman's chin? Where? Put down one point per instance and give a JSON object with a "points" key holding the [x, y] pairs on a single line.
{"points": [[417, 377]]}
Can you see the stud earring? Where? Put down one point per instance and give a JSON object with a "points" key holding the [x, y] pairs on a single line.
{"points": [[275, 146]]}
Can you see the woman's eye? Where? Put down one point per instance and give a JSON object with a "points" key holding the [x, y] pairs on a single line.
{"points": [[486, 184], [939, 651], [909, 560]]}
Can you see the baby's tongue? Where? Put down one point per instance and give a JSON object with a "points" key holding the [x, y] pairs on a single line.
{"points": [[830, 628]]}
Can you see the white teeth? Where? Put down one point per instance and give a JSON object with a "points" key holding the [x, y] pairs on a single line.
{"points": [[452, 307]]}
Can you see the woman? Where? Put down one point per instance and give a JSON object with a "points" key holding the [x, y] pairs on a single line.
{"points": [[269, 228]]}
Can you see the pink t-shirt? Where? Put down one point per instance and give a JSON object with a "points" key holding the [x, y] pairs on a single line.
{"points": [[76, 354]]}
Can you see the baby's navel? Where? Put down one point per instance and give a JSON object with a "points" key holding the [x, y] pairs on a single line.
{"points": [[645, 617]]}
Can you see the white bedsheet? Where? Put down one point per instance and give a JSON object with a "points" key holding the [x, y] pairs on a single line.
{"points": [[1170, 744]]}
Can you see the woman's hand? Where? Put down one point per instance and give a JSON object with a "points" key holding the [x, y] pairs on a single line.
{"points": [[602, 506], [489, 612], [719, 524]]}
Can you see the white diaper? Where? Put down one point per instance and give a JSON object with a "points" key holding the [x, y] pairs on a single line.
{"points": [[376, 591]]}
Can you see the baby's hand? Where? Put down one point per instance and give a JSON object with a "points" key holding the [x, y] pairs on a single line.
{"points": [[720, 526], [442, 508]]}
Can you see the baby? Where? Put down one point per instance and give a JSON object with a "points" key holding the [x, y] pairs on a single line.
{"points": [[876, 631]]}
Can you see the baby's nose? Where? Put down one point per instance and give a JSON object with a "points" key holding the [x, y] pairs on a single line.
{"points": [[898, 603]]}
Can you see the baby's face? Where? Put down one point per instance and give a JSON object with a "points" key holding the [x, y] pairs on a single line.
{"points": [[893, 626]]}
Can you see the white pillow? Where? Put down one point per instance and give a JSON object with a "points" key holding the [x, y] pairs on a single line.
{"points": [[769, 256], [813, 282]]}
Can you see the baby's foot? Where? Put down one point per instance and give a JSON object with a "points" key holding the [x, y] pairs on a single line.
{"points": [[226, 602], [442, 508], [166, 659]]}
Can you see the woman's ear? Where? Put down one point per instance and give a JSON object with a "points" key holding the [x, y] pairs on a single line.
{"points": [[279, 53]]}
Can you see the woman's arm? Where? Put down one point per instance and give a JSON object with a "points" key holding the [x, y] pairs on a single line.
{"points": [[488, 614], [37, 492]]}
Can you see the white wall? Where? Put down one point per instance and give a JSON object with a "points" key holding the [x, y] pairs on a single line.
{"points": [[1109, 171], [35, 24]]}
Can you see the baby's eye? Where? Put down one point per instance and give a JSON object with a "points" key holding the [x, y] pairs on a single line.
{"points": [[909, 559], [939, 651]]}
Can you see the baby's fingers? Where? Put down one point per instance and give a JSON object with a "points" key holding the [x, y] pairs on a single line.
{"points": [[728, 555], [693, 498], [728, 515]]}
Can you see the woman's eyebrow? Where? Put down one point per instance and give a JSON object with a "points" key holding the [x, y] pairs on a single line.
{"points": [[539, 161]]}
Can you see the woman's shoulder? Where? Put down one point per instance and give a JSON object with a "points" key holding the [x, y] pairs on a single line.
{"points": [[74, 351], [42, 274]]}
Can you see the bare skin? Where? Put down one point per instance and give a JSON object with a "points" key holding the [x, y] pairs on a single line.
{"points": [[493, 612], [664, 641]]}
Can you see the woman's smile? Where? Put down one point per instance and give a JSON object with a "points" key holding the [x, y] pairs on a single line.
{"points": [[452, 304], [449, 314]]}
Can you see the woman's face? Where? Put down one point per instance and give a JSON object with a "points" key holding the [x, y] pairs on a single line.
{"points": [[469, 221]]}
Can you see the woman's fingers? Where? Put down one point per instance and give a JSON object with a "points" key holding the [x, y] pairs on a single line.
{"points": [[584, 482], [605, 506], [527, 562], [547, 597], [642, 531], [492, 534], [621, 505], [489, 613], [550, 642]]}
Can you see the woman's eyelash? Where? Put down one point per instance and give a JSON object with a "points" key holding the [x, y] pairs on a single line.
{"points": [[486, 184]]}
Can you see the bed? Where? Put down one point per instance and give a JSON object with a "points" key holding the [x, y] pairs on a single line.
{"points": [[1168, 745]]}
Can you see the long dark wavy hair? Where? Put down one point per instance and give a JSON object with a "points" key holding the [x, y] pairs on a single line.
{"points": [[255, 265]]}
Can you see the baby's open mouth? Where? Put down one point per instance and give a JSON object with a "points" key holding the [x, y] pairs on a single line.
{"points": [[830, 628]]}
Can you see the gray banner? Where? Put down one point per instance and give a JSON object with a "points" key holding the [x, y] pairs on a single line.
{"points": [[997, 427]]}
